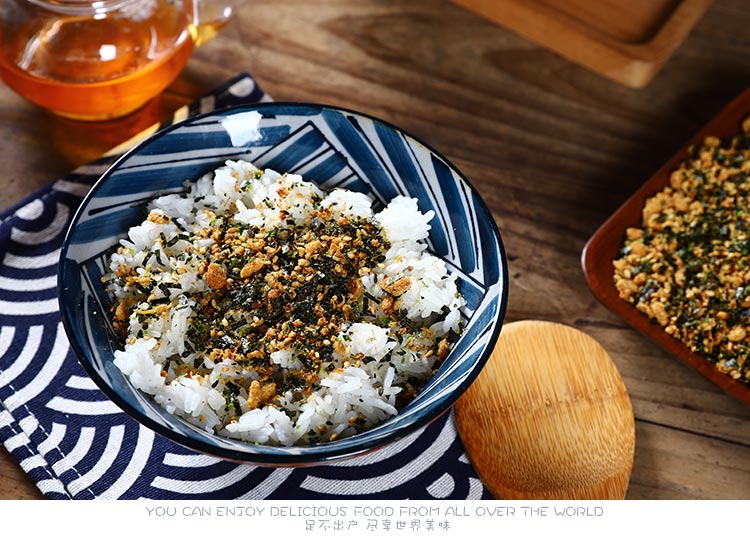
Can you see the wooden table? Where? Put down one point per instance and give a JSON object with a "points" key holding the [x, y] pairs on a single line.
{"points": [[552, 147]]}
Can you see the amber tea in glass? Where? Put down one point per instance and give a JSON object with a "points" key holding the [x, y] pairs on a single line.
{"points": [[94, 60]]}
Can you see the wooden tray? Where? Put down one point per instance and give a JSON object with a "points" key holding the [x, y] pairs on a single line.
{"points": [[604, 246], [626, 41]]}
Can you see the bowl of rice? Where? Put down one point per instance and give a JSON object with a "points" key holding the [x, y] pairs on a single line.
{"points": [[283, 283]]}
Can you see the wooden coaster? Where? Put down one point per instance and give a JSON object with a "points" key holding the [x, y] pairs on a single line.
{"points": [[548, 417]]}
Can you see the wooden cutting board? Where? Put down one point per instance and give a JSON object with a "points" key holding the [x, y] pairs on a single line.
{"points": [[548, 417], [625, 41]]}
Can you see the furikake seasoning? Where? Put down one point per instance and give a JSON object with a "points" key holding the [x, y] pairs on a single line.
{"points": [[687, 267], [257, 306]]}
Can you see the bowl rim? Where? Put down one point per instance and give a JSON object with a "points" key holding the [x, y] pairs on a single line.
{"points": [[281, 456]]}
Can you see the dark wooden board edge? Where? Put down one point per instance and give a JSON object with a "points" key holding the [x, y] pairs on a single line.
{"points": [[604, 245]]}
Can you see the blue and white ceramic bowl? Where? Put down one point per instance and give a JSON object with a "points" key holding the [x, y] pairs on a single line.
{"points": [[335, 148]]}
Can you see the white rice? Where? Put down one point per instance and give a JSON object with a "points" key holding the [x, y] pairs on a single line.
{"points": [[371, 363]]}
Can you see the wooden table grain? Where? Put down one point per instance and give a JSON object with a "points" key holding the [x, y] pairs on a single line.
{"points": [[552, 148]]}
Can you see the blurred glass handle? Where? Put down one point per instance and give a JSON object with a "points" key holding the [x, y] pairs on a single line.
{"points": [[211, 16]]}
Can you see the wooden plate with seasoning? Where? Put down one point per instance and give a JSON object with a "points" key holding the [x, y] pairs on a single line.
{"points": [[604, 247]]}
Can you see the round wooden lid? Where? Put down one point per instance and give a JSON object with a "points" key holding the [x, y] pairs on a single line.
{"points": [[548, 417]]}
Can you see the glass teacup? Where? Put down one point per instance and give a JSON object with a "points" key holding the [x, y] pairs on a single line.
{"points": [[101, 59]]}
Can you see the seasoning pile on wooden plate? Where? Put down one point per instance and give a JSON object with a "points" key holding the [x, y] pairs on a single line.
{"points": [[688, 266]]}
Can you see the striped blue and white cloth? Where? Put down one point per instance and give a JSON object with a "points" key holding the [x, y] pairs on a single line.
{"points": [[76, 444]]}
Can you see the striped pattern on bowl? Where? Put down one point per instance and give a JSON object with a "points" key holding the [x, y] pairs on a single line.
{"points": [[334, 148]]}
